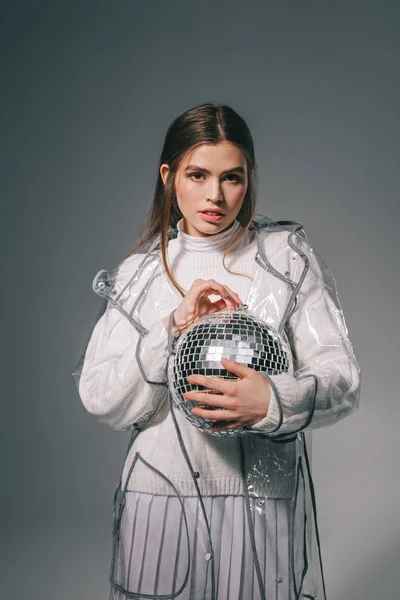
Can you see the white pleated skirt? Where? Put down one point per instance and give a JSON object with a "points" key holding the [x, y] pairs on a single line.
{"points": [[152, 552]]}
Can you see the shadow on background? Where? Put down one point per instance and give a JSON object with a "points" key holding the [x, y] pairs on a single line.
{"points": [[89, 89]]}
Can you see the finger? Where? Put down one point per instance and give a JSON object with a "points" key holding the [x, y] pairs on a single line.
{"points": [[205, 289], [207, 398], [234, 295], [225, 426], [238, 368], [213, 286], [232, 299], [217, 415], [218, 305], [213, 382]]}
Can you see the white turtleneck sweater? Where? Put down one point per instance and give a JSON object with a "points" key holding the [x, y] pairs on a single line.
{"points": [[217, 242], [112, 388]]}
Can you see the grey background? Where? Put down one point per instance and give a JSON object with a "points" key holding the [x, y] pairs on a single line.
{"points": [[89, 89]]}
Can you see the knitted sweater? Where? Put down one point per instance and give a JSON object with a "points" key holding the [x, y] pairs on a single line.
{"points": [[113, 390]]}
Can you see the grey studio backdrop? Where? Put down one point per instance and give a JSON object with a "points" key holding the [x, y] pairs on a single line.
{"points": [[89, 89]]}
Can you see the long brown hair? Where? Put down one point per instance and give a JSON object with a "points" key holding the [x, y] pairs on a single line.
{"points": [[209, 123]]}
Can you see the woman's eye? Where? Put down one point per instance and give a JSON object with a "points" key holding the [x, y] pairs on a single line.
{"points": [[236, 177], [192, 174]]}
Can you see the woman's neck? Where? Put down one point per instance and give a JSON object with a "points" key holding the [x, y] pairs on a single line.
{"points": [[217, 242]]}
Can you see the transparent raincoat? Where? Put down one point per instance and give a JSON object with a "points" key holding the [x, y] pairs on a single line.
{"points": [[294, 292]]}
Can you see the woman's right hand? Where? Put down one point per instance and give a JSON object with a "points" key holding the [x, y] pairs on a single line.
{"points": [[196, 303]]}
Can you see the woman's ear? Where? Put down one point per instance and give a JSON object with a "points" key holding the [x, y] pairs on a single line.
{"points": [[164, 170]]}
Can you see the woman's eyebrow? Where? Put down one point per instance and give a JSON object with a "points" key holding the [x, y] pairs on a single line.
{"points": [[239, 169]]}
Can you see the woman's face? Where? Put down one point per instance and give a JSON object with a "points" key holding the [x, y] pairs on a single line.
{"points": [[210, 176]]}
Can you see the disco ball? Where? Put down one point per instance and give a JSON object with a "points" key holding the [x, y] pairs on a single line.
{"points": [[232, 334]]}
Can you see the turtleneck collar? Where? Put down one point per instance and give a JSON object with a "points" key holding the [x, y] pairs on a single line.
{"points": [[217, 242]]}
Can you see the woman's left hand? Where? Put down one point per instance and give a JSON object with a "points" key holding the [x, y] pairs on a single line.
{"points": [[245, 400]]}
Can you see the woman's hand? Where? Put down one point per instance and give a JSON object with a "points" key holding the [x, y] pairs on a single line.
{"points": [[245, 400], [196, 303]]}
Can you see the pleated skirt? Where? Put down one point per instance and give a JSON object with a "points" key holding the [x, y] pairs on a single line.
{"points": [[157, 535]]}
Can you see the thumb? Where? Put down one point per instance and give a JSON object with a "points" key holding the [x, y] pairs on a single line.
{"points": [[235, 367]]}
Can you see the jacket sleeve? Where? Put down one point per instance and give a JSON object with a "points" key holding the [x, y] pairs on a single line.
{"points": [[110, 383], [325, 385]]}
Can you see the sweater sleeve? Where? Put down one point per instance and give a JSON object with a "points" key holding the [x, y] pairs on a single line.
{"points": [[325, 385], [109, 379]]}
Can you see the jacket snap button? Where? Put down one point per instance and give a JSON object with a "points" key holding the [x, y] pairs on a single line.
{"points": [[260, 502], [287, 273], [101, 285], [208, 556], [279, 580]]}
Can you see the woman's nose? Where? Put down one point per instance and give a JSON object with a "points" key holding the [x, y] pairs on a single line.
{"points": [[215, 192]]}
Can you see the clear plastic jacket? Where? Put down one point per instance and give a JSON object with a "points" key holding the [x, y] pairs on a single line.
{"points": [[122, 380], [325, 385]]}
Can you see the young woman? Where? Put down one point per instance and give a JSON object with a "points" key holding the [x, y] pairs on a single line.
{"points": [[216, 515]]}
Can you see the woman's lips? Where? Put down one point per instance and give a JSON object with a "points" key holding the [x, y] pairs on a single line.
{"points": [[212, 218]]}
